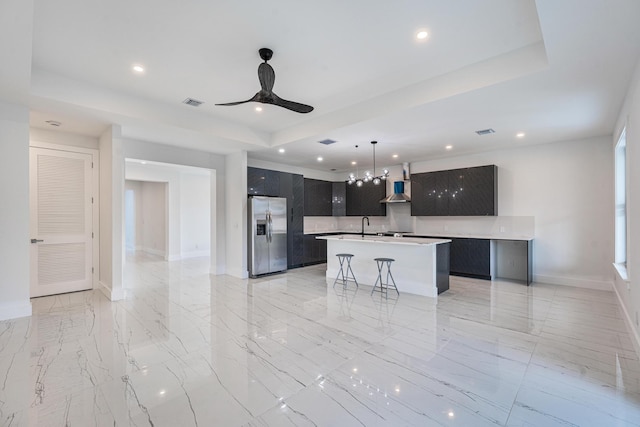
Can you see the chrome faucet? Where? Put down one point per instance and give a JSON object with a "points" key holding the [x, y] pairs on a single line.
{"points": [[363, 218]]}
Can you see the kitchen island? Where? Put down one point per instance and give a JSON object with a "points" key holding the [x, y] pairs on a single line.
{"points": [[421, 266]]}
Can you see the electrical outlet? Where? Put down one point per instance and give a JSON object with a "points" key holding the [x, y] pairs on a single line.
{"points": [[446, 228], [503, 229]]}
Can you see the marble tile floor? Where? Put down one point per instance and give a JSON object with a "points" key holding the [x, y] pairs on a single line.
{"points": [[189, 349]]}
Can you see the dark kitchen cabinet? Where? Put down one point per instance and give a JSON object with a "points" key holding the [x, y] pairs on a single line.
{"points": [[315, 250], [365, 200], [457, 192], [472, 191], [430, 194], [471, 257], [292, 187], [339, 199], [317, 197], [443, 263], [263, 182]]}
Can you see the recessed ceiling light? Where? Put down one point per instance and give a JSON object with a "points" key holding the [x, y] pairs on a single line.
{"points": [[449, 147], [520, 135], [395, 156], [281, 150], [354, 163], [138, 68], [319, 159], [258, 109], [422, 34]]}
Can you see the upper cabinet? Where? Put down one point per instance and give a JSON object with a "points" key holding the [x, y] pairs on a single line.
{"points": [[457, 192], [365, 200], [263, 182], [339, 199], [317, 197]]}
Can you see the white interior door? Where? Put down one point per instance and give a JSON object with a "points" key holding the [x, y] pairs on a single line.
{"points": [[60, 187]]}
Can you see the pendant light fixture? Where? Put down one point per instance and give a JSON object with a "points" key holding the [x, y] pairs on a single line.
{"points": [[368, 176]]}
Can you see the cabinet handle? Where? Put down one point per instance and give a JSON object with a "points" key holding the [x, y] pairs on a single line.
{"points": [[36, 240]]}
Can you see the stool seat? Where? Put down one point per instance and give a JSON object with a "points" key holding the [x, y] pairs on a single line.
{"points": [[384, 287], [345, 274]]}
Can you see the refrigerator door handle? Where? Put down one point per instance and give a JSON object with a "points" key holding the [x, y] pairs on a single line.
{"points": [[269, 227]]}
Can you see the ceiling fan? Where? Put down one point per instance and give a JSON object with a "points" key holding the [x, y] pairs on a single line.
{"points": [[267, 77]]}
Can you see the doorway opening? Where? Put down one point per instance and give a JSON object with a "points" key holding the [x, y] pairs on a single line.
{"points": [[167, 211]]}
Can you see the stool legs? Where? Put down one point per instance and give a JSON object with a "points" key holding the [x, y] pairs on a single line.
{"points": [[384, 287], [345, 273]]}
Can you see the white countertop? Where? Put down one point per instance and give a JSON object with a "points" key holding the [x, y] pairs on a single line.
{"points": [[500, 236], [385, 239]]}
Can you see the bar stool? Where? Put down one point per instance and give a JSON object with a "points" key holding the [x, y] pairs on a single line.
{"points": [[345, 270], [384, 287]]}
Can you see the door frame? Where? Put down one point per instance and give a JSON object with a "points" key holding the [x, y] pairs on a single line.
{"points": [[95, 194]]}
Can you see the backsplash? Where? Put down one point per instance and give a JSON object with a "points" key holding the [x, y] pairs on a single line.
{"points": [[399, 219]]}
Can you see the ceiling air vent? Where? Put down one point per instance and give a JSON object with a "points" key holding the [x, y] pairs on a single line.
{"points": [[485, 131], [193, 102], [327, 141]]}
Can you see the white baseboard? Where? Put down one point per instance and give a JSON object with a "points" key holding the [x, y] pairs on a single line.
{"points": [[154, 251], [241, 274], [113, 295], [173, 257], [15, 310], [218, 270], [630, 324], [195, 254], [600, 285]]}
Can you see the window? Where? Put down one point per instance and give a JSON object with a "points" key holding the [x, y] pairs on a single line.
{"points": [[621, 200]]}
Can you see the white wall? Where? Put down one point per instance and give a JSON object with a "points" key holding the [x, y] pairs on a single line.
{"points": [[195, 206], [154, 218], [111, 203], [628, 289], [175, 200], [14, 211], [133, 215], [236, 213]]}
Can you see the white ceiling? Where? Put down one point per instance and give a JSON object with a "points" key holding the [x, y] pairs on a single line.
{"points": [[554, 69]]}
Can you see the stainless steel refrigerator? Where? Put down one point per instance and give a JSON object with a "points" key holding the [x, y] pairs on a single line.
{"points": [[267, 235]]}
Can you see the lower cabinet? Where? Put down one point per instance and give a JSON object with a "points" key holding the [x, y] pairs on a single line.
{"points": [[471, 257], [314, 250]]}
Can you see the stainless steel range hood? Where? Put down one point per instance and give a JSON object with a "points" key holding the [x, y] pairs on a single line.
{"points": [[398, 195]]}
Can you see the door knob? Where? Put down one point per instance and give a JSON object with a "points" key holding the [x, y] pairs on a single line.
{"points": [[36, 240]]}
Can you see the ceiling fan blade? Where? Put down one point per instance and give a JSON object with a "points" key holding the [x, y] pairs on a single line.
{"points": [[254, 98], [290, 105], [267, 76]]}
